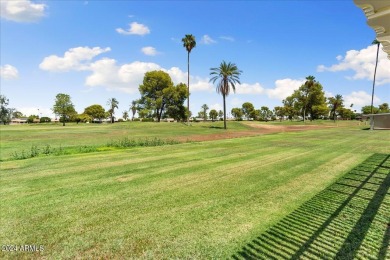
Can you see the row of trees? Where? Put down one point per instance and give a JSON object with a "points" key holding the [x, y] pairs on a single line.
{"points": [[161, 98], [64, 108]]}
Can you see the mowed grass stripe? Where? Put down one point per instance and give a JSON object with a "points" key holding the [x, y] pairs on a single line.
{"points": [[345, 227], [204, 202]]}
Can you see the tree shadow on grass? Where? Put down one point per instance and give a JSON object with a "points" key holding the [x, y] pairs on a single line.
{"points": [[350, 219]]}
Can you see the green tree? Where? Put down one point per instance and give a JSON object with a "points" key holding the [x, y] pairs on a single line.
{"points": [[205, 108], [265, 113], [228, 75], [189, 43], [144, 113], [200, 114], [83, 118], [367, 110], [280, 112], [95, 112], [304, 93], [158, 93], [248, 109], [63, 107], [4, 110], [237, 113], [17, 114], [220, 113], [345, 113], [213, 114], [113, 103], [308, 100], [384, 108], [44, 119], [125, 115], [289, 107], [133, 108], [34, 119], [373, 82], [335, 103], [175, 97]]}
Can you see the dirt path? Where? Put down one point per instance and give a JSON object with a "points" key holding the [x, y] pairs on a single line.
{"points": [[257, 129]]}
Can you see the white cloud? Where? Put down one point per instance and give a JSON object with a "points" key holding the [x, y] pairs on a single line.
{"points": [[200, 84], [196, 83], [127, 78], [149, 50], [328, 94], [216, 106], [284, 88], [227, 38], [74, 59], [236, 102], [40, 111], [207, 40], [22, 11], [245, 88], [359, 98], [8, 72], [135, 29], [363, 64]]}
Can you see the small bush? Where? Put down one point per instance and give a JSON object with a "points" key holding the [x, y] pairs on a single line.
{"points": [[47, 149], [136, 119], [147, 120], [45, 119], [34, 151], [126, 142]]}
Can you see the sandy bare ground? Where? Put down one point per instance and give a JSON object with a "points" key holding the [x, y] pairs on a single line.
{"points": [[257, 129]]}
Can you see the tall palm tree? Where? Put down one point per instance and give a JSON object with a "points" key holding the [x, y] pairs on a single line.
{"points": [[113, 103], [189, 43], [228, 75], [335, 103], [133, 108], [376, 65]]}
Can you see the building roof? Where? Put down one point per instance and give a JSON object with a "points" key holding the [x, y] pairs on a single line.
{"points": [[378, 18]]}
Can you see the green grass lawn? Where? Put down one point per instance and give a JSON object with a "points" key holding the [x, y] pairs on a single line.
{"points": [[191, 200]]}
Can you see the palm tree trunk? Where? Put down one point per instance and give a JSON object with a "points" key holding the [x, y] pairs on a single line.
{"points": [[224, 112], [188, 87], [373, 83]]}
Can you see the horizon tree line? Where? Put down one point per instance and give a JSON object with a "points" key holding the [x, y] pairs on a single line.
{"points": [[308, 101]]}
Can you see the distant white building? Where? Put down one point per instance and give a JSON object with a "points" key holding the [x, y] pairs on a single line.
{"points": [[18, 121]]}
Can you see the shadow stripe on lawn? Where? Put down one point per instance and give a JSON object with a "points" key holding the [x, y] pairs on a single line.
{"points": [[351, 231]]}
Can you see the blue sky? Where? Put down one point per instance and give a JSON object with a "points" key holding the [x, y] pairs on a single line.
{"points": [[96, 50]]}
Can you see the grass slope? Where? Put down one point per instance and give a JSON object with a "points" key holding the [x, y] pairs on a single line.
{"points": [[192, 200]]}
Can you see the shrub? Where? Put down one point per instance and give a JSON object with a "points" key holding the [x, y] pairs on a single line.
{"points": [[126, 142], [147, 120], [45, 119]]}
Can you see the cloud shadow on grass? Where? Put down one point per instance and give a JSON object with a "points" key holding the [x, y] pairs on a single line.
{"points": [[350, 219]]}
